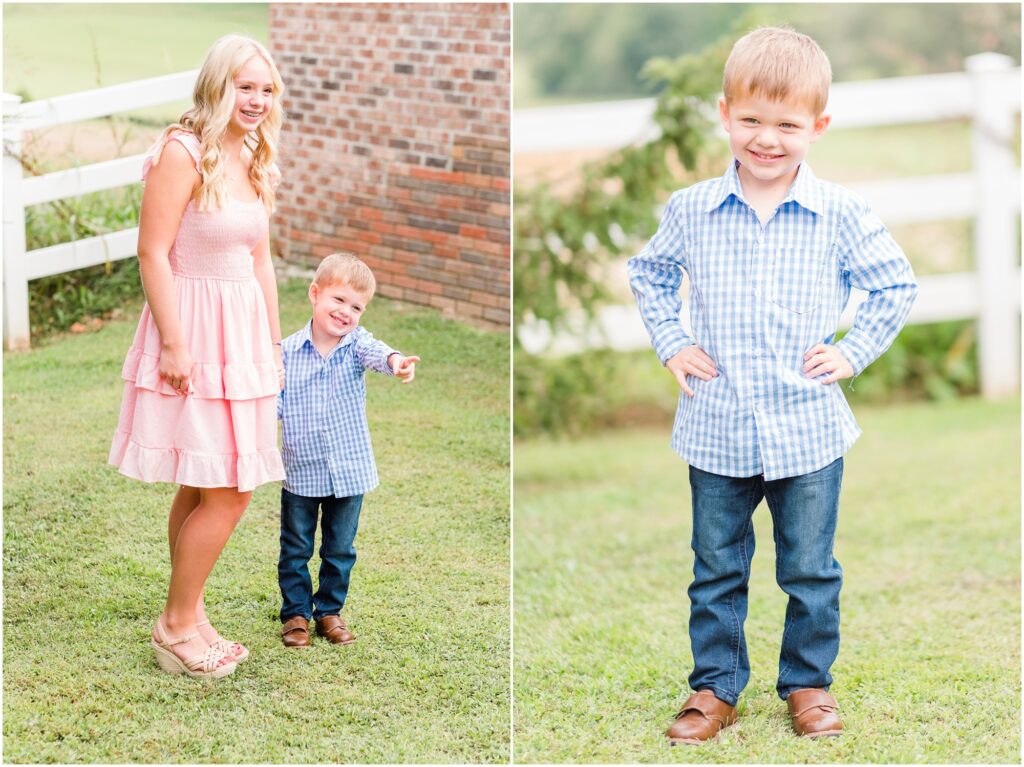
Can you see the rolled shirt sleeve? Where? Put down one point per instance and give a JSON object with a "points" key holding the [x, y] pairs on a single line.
{"points": [[373, 354]]}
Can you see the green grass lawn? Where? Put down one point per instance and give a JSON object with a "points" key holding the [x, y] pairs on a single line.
{"points": [[929, 540], [85, 575], [52, 49]]}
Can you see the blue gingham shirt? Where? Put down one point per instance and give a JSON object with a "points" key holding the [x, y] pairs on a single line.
{"points": [[326, 440], [760, 298]]}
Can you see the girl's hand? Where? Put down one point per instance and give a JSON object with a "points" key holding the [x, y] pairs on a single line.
{"points": [[279, 366], [176, 367], [404, 367]]}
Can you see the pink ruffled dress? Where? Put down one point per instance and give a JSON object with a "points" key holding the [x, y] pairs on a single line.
{"points": [[224, 433]]}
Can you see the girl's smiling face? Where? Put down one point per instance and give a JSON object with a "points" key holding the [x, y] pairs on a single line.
{"points": [[254, 95], [770, 138]]}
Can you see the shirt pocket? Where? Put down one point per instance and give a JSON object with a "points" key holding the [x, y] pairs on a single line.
{"points": [[795, 278], [346, 380]]}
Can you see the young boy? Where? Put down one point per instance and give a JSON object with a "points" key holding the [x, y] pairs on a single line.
{"points": [[771, 253], [326, 445]]}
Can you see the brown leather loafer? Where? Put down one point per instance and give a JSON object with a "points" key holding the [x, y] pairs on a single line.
{"points": [[813, 712], [333, 629], [295, 632], [701, 718]]}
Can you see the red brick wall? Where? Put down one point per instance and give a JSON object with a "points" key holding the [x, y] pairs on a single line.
{"points": [[395, 146]]}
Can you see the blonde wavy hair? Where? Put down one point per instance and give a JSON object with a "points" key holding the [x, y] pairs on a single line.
{"points": [[777, 63], [213, 102]]}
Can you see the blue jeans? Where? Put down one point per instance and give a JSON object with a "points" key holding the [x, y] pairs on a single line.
{"points": [[337, 553], [804, 512]]}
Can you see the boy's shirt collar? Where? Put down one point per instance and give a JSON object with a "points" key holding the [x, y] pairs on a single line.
{"points": [[804, 190], [306, 337]]}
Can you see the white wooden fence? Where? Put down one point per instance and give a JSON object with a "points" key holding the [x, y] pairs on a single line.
{"points": [[988, 93], [19, 191]]}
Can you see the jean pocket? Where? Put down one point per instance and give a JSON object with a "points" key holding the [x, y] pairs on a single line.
{"points": [[796, 277]]}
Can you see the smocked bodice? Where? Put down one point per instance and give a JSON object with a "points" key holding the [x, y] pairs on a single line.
{"points": [[216, 243], [219, 243]]}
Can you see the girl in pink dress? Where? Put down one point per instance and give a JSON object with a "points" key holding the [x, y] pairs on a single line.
{"points": [[204, 370]]}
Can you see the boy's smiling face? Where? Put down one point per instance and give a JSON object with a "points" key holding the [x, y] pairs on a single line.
{"points": [[337, 308], [770, 138]]}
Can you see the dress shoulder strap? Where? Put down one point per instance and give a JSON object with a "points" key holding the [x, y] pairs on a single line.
{"points": [[187, 139]]}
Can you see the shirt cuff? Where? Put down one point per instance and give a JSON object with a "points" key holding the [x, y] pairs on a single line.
{"points": [[856, 353], [669, 339]]}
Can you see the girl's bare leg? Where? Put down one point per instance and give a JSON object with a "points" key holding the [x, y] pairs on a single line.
{"points": [[200, 538], [185, 502]]}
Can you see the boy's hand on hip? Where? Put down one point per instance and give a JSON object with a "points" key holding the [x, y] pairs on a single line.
{"points": [[691, 361], [404, 367], [826, 358]]}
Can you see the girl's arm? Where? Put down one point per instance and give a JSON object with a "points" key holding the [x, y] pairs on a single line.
{"points": [[263, 268], [169, 186]]}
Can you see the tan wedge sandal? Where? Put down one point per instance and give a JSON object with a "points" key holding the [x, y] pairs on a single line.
{"points": [[234, 650], [207, 664]]}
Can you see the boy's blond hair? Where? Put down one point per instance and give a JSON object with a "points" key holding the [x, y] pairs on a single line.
{"points": [[778, 63], [345, 267]]}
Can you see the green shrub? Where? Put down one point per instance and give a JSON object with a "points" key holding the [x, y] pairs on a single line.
{"points": [[562, 242], [59, 301], [937, 361], [97, 292], [567, 395]]}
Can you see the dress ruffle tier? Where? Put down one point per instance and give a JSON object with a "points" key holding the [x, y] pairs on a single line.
{"points": [[224, 433]]}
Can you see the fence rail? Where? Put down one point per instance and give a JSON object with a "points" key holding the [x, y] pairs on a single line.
{"points": [[20, 265], [860, 104], [988, 93]]}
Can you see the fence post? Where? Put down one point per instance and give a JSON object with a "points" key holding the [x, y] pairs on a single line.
{"points": [[16, 329], [995, 228]]}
